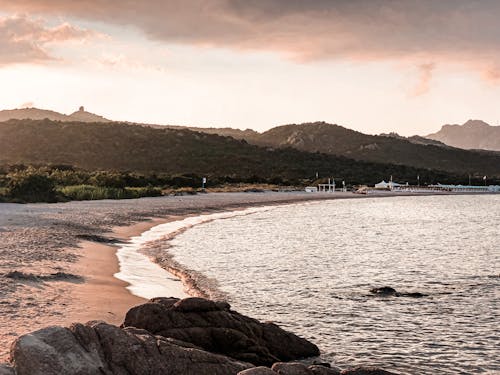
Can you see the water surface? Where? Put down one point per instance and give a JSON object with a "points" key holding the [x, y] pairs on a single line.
{"points": [[309, 267]]}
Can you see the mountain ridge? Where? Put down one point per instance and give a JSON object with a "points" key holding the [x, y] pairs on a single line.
{"points": [[338, 141], [471, 135], [41, 114]]}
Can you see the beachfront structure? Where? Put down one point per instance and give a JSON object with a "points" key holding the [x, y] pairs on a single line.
{"points": [[311, 189], [327, 188], [467, 188], [387, 185]]}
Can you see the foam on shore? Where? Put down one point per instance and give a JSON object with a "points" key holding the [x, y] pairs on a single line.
{"points": [[146, 278]]}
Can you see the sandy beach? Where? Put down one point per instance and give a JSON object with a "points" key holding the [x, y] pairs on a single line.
{"points": [[58, 260]]}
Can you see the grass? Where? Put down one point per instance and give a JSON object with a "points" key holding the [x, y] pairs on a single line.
{"points": [[90, 192]]}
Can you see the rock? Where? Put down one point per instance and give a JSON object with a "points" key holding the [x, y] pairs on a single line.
{"points": [[387, 291], [6, 370], [291, 369], [214, 327], [384, 291], [323, 370], [413, 295], [261, 370], [103, 349], [362, 370]]}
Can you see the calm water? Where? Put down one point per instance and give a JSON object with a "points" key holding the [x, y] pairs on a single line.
{"points": [[309, 267]]}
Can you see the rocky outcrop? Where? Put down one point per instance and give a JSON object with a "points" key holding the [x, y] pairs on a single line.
{"points": [[169, 336], [216, 328], [98, 348]]}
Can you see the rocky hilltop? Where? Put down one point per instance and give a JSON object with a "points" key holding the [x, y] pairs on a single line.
{"points": [[169, 336], [40, 114], [474, 134]]}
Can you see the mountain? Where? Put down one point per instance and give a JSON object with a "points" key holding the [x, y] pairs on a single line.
{"points": [[417, 152], [417, 139], [126, 147], [337, 140], [474, 134], [40, 114]]}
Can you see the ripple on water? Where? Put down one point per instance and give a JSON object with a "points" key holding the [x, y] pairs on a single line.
{"points": [[310, 267]]}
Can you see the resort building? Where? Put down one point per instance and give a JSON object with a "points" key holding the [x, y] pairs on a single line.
{"points": [[468, 188]]}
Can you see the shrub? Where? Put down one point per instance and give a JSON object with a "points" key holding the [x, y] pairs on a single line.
{"points": [[90, 192], [29, 186]]}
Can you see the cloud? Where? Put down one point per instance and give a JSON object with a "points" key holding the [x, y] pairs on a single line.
{"points": [[26, 40], [424, 79], [460, 31]]}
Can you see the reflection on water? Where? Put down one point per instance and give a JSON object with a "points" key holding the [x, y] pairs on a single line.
{"points": [[309, 267]]}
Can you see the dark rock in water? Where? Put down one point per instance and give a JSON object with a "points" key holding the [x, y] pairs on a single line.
{"points": [[98, 348], [291, 369], [215, 328], [387, 291], [362, 370], [413, 295], [384, 291]]}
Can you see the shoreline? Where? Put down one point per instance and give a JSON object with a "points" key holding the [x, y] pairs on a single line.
{"points": [[62, 232], [193, 283]]}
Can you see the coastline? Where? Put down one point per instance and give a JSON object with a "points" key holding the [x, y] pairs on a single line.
{"points": [[108, 298], [60, 229]]}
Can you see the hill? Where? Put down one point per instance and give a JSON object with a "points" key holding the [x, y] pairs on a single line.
{"points": [[337, 140], [416, 151], [474, 134], [40, 114], [125, 147]]}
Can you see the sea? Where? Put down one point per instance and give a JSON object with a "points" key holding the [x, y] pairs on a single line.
{"points": [[309, 267]]}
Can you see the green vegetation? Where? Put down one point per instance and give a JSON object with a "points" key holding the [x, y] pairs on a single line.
{"points": [[89, 192]]}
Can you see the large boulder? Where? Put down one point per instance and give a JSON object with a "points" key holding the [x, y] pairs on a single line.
{"points": [[214, 327], [282, 368], [98, 348]]}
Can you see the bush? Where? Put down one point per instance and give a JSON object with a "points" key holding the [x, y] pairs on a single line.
{"points": [[29, 186], [90, 192]]}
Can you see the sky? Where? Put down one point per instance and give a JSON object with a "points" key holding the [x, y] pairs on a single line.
{"points": [[375, 66]]}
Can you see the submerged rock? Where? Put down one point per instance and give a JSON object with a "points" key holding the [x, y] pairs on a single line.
{"points": [[101, 348], [387, 291], [214, 327]]}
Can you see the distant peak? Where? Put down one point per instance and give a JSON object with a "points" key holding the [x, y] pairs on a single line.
{"points": [[81, 109], [475, 123]]}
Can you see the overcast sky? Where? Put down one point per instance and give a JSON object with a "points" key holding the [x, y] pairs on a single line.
{"points": [[370, 65]]}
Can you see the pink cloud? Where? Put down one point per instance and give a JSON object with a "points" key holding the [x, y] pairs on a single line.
{"points": [[460, 31], [25, 40]]}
